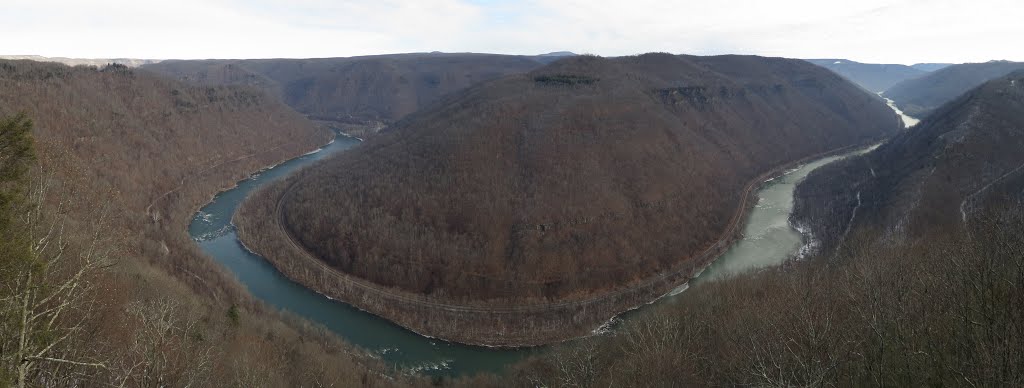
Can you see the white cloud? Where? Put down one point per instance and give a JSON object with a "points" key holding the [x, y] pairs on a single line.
{"points": [[866, 30]]}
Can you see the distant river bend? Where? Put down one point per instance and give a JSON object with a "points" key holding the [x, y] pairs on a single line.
{"points": [[768, 239]]}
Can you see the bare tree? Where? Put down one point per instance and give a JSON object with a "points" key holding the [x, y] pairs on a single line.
{"points": [[165, 349], [48, 294]]}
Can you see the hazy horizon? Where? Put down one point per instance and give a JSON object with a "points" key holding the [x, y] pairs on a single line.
{"points": [[872, 31]]}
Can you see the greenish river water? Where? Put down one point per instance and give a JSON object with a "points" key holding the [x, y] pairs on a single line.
{"points": [[768, 240]]}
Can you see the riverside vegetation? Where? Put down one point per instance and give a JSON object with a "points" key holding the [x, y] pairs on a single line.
{"points": [[918, 277], [943, 310], [99, 283], [533, 208]]}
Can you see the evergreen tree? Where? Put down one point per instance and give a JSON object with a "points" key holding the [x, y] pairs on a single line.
{"points": [[16, 155]]}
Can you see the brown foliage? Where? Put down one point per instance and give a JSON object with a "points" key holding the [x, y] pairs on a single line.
{"points": [[943, 310], [379, 88], [513, 191], [520, 192], [150, 151]]}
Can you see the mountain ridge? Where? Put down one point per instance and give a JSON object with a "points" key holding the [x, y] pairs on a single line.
{"points": [[919, 97], [361, 94], [871, 76], [524, 184], [933, 177]]}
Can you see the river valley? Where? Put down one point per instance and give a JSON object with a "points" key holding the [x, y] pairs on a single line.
{"points": [[768, 239]]}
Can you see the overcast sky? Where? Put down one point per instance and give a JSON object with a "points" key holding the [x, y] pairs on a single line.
{"points": [[878, 31]]}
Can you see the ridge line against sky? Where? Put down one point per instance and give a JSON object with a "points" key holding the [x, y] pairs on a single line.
{"points": [[871, 31]]}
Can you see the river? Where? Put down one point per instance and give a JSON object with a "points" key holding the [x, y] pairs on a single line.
{"points": [[211, 228], [768, 240], [908, 121]]}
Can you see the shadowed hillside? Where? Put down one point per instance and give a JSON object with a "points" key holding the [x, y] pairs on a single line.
{"points": [[919, 97], [376, 89], [931, 178], [873, 77], [586, 178]]}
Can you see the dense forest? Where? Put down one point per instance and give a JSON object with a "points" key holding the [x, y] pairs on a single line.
{"points": [[540, 188], [99, 283], [942, 310], [919, 282], [919, 97], [375, 90], [584, 178]]}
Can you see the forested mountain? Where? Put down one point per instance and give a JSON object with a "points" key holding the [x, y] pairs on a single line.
{"points": [[927, 289], [938, 177], [919, 97], [873, 77], [580, 189], [356, 90], [106, 287]]}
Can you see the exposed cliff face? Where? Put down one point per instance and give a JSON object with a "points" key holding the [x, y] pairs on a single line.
{"points": [[578, 179], [936, 177], [380, 88], [920, 96]]}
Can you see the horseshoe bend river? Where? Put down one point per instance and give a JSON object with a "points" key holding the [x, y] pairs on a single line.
{"points": [[768, 239]]}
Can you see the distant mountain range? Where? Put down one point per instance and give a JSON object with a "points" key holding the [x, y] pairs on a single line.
{"points": [[873, 77], [558, 54], [130, 62], [376, 89], [930, 67], [919, 89], [554, 56], [920, 96]]}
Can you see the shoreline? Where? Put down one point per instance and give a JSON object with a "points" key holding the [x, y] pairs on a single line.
{"points": [[484, 324]]}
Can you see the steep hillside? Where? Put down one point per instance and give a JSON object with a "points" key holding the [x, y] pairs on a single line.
{"points": [[357, 90], [162, 130], [919, 97], [965, 158], [928, 288], [580, 189], [126, 157], [873, 77], [214, 73]]}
